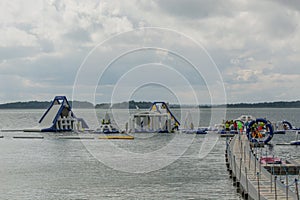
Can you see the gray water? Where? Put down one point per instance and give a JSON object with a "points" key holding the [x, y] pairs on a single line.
{"points": [[53, 168]]}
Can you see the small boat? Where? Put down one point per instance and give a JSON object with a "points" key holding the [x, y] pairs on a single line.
{"points": [[106, 126], [270, 160]]}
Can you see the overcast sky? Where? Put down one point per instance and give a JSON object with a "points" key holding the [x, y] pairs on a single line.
{"points": [[253, 47]]}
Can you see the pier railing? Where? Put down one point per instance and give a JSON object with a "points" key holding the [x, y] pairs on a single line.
{"points": [[251, 178]]}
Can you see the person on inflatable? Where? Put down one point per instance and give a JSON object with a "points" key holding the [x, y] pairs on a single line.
{"points": [[227, 126], [260, 126], [255, 133], [176, 127], [240, 126]]}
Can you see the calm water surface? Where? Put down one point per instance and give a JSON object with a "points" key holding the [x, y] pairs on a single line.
{"points": [[53, 168]]}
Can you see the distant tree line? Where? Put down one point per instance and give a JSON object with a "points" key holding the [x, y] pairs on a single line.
{"points": [[42, 105], [144, 105], [277, 104], [125, 105], [26, 105]]}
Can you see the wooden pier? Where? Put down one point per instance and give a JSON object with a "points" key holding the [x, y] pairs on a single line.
{"points": [[250, 177]]}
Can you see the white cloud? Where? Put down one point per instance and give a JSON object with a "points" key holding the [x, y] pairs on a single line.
{"points": [[11, 36], [254, 43]]}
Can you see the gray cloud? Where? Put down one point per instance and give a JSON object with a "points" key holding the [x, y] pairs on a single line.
{"points": [[194, 9], [254, 43], [7, 53], [291, 4]]}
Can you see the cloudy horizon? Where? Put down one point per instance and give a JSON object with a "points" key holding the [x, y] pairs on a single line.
{"points": [[253, 48]]}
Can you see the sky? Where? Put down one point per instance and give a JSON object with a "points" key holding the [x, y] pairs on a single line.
{"points": [[208, 51]]}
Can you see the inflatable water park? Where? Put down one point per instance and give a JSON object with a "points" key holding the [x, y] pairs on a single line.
{"points": [[158, 119], [282, 127], [246, 136], [59, 117]]}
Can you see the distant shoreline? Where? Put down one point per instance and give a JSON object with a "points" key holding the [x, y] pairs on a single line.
{"points": [[146, 105]]}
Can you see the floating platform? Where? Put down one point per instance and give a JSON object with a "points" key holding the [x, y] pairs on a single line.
{"points": [[27, 137], [76, 137], [11, 130], [284, 169], [279, 132], [284, 144], [227, 135], [118, 137], [256, 144]]}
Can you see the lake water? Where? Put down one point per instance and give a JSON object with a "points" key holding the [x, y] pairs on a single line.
{"points": [[53, 168]]}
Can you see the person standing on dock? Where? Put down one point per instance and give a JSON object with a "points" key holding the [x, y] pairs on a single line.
{"points": [[240, 126], [235, 126], [227, 126]]}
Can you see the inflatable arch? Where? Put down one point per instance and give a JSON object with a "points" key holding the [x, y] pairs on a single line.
{"points": [[256, 128]]}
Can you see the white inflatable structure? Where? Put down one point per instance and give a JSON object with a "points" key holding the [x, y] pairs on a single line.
{"points": [[159, 119], [59, 117]]}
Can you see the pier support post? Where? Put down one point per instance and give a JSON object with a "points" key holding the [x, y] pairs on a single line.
{"points": [[240, 175], [286, 185], [245, 152], [234, 171], [275, 180], [259, 165], [255, 165], [249, 159], [271, 184], [296, 187], [258, 187], [247, 189]]}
